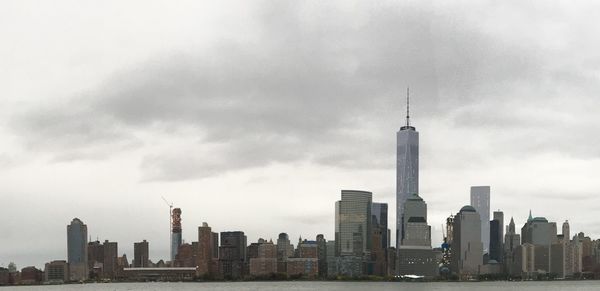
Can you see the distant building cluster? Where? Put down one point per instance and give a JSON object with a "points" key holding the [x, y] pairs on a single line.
{"points": [[475, 245]]}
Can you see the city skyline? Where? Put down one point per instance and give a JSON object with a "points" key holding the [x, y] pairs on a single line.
{"points": [[258, 107]]}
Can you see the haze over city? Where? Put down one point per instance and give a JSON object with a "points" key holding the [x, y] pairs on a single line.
{"points": [[254, 115]]}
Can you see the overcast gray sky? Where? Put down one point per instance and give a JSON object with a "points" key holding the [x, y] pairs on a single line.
{"points": [[253, 115]]}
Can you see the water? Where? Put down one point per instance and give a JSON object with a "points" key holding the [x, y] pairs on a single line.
{"points": [[326, 286]]}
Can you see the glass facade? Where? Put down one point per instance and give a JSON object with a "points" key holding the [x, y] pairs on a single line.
{"points": [[353, 223], [407, 172]]}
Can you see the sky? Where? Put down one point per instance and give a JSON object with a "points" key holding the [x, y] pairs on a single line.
{"points": [[253, 115]]}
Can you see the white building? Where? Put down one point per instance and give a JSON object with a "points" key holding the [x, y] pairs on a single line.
{"points": [[480, 200]]}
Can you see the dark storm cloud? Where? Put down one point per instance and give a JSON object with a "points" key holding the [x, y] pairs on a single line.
{"points": [[319, 88]]}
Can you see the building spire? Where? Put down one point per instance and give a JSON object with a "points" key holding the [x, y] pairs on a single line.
{"points": [[530, 218], [407, 106]]}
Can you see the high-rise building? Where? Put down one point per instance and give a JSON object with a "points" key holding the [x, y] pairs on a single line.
{"points": [[175, 232], [566, 230], [232, 254], [322, 255], [141, 254], [497, 236], [95, 252], [110, 256], [407, 169], [379, 214], [542, 235], [467, 249], [77, 250], [353, 223], [206, 247], [512, 242], [285, 250], [415, 255], [480, 200], [538, 231]]}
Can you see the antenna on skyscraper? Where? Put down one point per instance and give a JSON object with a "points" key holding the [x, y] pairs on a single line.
{"points": [[407, 106]]}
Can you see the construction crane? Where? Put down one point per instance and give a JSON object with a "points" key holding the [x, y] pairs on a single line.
{"points": [[170, 220]]}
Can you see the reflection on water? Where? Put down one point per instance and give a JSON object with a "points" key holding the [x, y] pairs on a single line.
{"points": [[328, 286]]}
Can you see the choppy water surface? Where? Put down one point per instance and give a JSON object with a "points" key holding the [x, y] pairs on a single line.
{"points": [[327, 286]]}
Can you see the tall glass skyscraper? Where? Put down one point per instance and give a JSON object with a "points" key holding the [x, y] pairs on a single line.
{"points": [[407, 170], [77, 255], [480, 200], [353, 223]]}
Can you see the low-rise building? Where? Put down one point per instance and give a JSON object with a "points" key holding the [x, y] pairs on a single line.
{"points": [[56, 272]]}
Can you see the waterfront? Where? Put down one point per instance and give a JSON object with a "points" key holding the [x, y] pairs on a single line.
{"points": [[328, 286]]}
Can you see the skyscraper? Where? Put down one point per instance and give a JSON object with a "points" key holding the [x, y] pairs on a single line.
{"points": [[480, 200], [496, 236], [415, 256], [206, 248], [407, 169], [353, 223], [175, 232], [322, 255], [512, 243], [285, 250], [467, 249], [232, 254], [140, 254], [109, 263], [379, 214], [77, 250]]}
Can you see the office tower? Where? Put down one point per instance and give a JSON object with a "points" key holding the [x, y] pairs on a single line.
{"points": [[542, 235], [512, 241], [379, 214], [109, 263], [77, 250], [415, 255], [496, 237], [480, 200], [353, 223], [416, 230], [587, 263], [175, 232], [566, 230], [322, 255], [377, 265], [407, 168], [331, 258], [141, 254], [285, 250], [95, 251], [538, 231], [232, 254], [467, 248], [206, 247]]}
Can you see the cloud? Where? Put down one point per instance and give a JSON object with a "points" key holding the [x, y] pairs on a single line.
{"points": [[313, 86]]}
